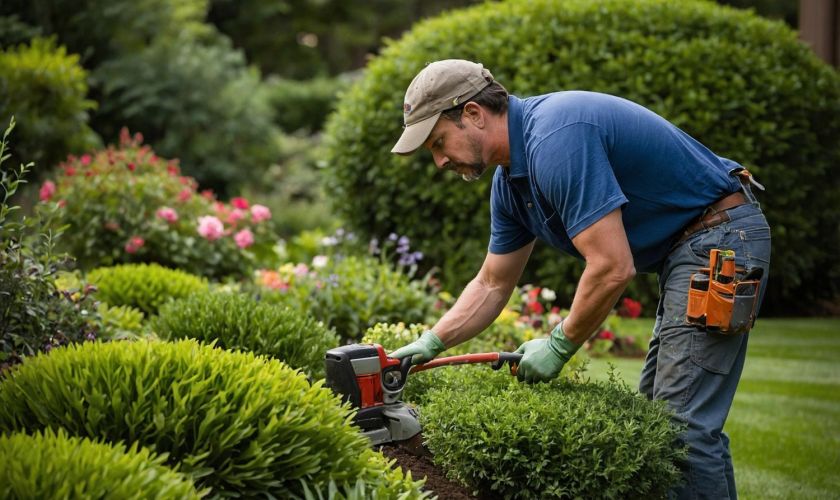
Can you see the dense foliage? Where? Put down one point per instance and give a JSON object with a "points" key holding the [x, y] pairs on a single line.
{"points": [[557, 440], [197, 101], [34, 314], [349, 294], [143, 286], [237, 423], [54, 465], [743, 85], [237, 321], [303, 106], [45, 89], [125, 204]]}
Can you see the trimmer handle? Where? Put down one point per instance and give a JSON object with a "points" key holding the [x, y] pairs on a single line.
{"points": [[496, 360]]}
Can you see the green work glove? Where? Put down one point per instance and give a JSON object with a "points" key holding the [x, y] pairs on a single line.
{"points": [[421, 350], [542, 359]]}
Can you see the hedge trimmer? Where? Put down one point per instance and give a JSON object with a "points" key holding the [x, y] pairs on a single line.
{"points": [[372, 382]]}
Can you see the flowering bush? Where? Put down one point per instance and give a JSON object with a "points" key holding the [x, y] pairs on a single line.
{"points": [[126, 204]]}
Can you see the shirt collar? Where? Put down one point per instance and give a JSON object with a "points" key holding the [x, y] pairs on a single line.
{"points": [[518, 166]]}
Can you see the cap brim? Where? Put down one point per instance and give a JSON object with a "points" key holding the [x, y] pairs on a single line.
{"points": [[415, 135]]}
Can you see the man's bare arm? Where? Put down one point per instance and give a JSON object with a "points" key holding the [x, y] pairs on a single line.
{"points": [[609, 269], [484, 297]]}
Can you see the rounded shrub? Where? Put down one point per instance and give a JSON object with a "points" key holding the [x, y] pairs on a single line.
{"points": [[53, 465], [238, 321], [240, 424], [352, 294], [45, 89], [742, 85], [557, 440], [143, 286]]}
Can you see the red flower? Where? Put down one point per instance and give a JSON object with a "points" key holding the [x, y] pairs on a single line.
{"points": [[534, 293], [184, 195], [630, 308], [606, 335], [85, 159], [240, 203], [69, 171], [131, 166], [535, 307]]}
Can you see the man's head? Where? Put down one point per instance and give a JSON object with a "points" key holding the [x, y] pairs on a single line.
{"points": [[465, 94]]}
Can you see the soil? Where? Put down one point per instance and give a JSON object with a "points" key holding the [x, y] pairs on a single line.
{"points": [[420, 465]]}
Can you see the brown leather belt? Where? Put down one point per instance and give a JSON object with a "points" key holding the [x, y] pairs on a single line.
{"points": [[714, 215]]}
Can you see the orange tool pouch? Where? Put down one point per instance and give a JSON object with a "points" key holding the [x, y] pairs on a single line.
{"points": [[719, 300]]}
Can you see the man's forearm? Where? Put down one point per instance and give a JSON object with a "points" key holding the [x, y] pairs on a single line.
{"points": [[477, 307], [597, 293]]}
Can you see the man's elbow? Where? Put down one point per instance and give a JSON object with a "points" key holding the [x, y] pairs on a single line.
{"points": [[617, 273]]}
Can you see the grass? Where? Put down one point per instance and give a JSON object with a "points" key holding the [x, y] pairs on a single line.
{"points": [[785, 421]]}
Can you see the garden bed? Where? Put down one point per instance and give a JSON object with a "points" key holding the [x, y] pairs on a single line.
{"points": [[422, 465]]}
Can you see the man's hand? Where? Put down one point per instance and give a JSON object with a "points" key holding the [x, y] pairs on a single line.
{"points": [[421, 350], [542, 359]]}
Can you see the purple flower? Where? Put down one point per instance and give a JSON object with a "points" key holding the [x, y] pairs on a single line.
{"points": [[393, 237], [332, 280], [417, 256], [403, 241], [373, 247], [90, 336]]}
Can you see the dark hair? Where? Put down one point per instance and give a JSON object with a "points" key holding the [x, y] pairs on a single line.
{"points": [[494, 97]]}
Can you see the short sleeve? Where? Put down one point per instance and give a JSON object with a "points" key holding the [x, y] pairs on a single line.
{"points": [[506, 233], [573, 172]]}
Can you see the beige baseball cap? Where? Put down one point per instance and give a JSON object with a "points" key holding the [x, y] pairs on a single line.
{"points": [[439, 86]]}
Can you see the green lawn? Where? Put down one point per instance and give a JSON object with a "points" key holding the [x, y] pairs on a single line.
{"points": [[785, 421]]}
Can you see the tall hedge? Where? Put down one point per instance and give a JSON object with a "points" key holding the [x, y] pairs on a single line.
{"points": [[743, 85]]}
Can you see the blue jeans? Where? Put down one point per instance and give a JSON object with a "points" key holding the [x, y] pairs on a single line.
{"points": [[697, 372]]}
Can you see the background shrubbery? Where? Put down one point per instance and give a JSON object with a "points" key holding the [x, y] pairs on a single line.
{"points": [[741, 84], [239, 322]]}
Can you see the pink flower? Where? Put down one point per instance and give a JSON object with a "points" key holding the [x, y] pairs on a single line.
{"points": [[134, 243], [85, 159], [69, 171], [210, 227], [184, 195], [244, 238], [47, 190], [260, 213], [167, 214], [240, 203], [235, 216]]}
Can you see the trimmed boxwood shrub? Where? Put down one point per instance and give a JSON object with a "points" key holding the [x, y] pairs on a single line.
{"points": [[143, 286], [53, 465], [743, 85], [237, 423], [238, 321], [557, 440]]}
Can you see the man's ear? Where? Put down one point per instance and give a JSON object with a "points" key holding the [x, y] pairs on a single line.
{"points": [[474, 113]]}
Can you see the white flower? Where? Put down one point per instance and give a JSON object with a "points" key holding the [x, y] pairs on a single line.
{"points": [[548, 294], [320, 261]]}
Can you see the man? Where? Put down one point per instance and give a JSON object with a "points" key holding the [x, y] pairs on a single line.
{"points": [[610, 182]]}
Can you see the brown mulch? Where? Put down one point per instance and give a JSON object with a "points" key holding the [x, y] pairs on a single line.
{"points": [[421, 465]]}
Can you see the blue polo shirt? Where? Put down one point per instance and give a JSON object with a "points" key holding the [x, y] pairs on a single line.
{"points": [[576, 156]]}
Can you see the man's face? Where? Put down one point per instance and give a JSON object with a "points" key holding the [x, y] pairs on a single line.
{"points": [[456, 147]]}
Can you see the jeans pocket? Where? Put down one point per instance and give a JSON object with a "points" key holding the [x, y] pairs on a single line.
{"points": [[715, 352]]}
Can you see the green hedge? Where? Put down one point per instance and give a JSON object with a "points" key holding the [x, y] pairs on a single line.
{"points": [[558, 440], [743, 85], [237, 321], [53, 465], [45, 89], [143, 286], [240, 424], [303, 105]]}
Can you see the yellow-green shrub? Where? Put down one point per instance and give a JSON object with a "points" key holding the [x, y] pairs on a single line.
{"points": [[240, 322], [240, 424], [54, 465], [143, 286]]}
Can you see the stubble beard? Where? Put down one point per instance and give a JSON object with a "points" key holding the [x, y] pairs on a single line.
{"points": [[472, 171]]}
